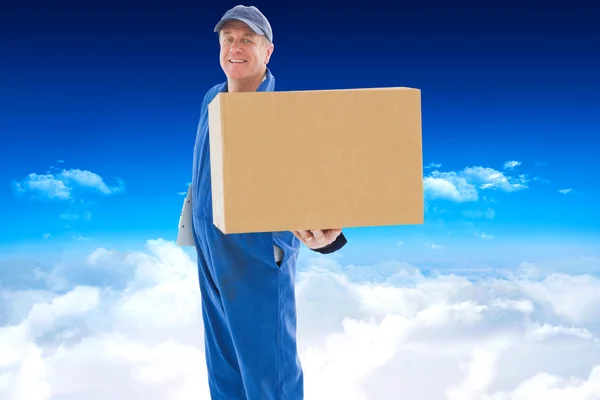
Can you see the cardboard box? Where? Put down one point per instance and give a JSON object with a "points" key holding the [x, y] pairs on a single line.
{"points": [[316, 159]]}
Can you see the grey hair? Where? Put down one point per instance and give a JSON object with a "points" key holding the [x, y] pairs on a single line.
{"points": [[265, 39]]}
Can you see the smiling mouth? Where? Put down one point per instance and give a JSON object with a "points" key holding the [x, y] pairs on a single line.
{"points": [[237, 61]]}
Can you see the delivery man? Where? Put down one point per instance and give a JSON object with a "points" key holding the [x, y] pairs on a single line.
{"points": [[247, 280]]}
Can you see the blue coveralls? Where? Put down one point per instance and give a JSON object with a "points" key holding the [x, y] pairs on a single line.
{"points": [[248, 300]]}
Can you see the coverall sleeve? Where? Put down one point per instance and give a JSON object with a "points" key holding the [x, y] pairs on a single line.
{"points": [[337, 244]]}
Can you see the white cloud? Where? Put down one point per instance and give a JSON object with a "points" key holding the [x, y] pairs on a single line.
{"points": [[580, 265], [465, 340], [62, 184], [511, 164], [46, 185], [447, 185], [565, 191], [489, 213], [91, 180], [541, 180], [432, 165], [489, 178], [484, 235], [464, 186], [434, 246], [142, 340], [365, 332]]}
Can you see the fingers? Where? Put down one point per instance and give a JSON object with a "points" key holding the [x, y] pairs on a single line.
{"points": [[318, 237], [312, 238], [332, 234], [304, 235], [324, 237]]}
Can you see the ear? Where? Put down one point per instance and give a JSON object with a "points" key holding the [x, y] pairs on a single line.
{"points": [[270, 50]]}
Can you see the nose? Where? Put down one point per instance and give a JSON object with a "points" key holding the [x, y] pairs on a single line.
{"points": [[235, 46]]}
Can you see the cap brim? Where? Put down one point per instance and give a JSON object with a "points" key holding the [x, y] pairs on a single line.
{"points": [[250, 24]]}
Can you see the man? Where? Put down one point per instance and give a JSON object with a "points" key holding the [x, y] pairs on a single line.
{"points": [[248, 295]]}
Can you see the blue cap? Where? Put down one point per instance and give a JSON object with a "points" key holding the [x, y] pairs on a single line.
{"points": [[251, 16]]}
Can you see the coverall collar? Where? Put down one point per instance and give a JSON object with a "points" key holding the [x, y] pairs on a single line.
{"points": [[267, 85]]}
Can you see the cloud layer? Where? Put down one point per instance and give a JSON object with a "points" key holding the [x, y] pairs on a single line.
{"points": [[128, 325]]}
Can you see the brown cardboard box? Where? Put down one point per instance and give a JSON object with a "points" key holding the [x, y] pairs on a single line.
{"points": [[316, 159]]}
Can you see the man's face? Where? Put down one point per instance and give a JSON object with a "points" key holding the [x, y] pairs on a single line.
{"points": [[244, 54]]}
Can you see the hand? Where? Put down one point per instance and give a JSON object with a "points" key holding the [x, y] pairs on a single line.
{"points": [[315, 239]]}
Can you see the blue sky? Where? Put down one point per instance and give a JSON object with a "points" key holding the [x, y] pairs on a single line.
{"points": [[496, 295], [100, 113]]}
